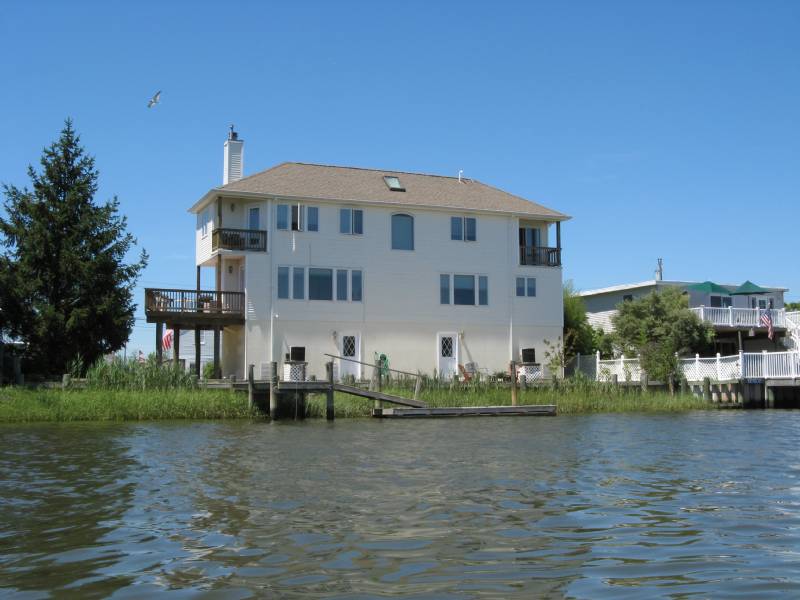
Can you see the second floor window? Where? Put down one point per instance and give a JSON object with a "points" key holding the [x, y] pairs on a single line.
{"points": [[293, 216], [351, 221], [463, 228], [204, 220], [323, 284], [402, 232]]}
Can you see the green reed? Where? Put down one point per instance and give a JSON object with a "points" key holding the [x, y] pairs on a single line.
{"points": [[19, 405]]}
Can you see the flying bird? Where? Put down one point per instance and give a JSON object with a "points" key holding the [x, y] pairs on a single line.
{"points": [[154, 100]]}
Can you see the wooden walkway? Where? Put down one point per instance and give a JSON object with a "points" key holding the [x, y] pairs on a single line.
{"points": [[543, 410]]}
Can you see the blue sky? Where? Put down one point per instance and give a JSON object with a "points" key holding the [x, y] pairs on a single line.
{"points": [[666, 129]]}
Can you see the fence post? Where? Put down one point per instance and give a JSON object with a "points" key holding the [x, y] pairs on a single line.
{"points": [[719, 369], [702, 313], [329, 412], [597, 367], [764, 360], [512, 368], [697, 367]]}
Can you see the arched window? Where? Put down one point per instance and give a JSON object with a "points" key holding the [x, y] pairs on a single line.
{"points": [[402, 232]]}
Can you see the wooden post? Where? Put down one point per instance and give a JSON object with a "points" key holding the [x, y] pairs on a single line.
{"points": [[379, 380], [706, 389], [65, 381], [512, 369], [176, 332], [251, 388], [684, 386], [159, 348], [273, 390], [217, 367], [19, 378], [329, 409], [558, 240], [197, 356], [645, 379], [615, 380], [523, 381]]}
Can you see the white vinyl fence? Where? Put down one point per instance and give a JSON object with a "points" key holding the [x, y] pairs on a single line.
{"points": [[747, 365]]}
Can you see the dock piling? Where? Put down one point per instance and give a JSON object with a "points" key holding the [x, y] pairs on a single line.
{"points": [[329, 410], [250, 386], [273, 390], [707, 389], [512, 368]]}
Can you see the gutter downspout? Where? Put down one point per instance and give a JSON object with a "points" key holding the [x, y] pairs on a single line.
{"points": [[272, 291]]}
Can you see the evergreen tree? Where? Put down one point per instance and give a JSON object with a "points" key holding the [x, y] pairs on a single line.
{"points": [[65, 286]]}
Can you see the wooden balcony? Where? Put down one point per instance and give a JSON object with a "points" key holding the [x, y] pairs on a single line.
{"points": [[253, 240], [191, 309], [539, 256]]}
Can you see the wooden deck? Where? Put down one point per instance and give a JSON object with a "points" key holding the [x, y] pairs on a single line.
{"points": [[542, 410]]}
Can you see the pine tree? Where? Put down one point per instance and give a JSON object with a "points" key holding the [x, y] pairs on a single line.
{"points": [[65, 286]]}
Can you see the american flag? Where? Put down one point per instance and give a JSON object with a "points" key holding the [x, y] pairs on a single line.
{"points": [[166, 341], [766, 321]]}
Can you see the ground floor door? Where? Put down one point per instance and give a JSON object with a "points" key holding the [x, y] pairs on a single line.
{"points": [[350, 347], [447, 351]]}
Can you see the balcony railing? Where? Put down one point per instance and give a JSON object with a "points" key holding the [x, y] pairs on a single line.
{"points": [[739, 317], [168, 302], [539, 256], [239, 239]]}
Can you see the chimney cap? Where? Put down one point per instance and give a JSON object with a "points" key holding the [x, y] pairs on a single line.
{"points": [[232, 135]]}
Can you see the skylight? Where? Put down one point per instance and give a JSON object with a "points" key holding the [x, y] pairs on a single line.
{"points": [[393, 183]]}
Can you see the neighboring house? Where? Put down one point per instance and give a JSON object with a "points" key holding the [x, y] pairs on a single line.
{"points": [[735, 311], [310, 260], [187, 350]]}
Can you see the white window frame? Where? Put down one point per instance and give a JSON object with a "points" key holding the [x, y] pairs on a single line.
{"points": [[463, 219], [452, 289], [335, 283], [204, 218], [351, 229]]}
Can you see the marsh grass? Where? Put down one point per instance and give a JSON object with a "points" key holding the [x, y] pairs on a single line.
{"points": [[21, 405], [130, 374], [570, 397]]}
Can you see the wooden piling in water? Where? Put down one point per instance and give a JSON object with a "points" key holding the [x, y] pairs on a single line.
{"points": [[329, 409], [512, 368], [707, 389]]}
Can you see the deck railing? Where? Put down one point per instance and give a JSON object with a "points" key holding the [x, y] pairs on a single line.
{"points": [[745, 365], [239, 239], [539, 256], [172, 301], [739, 317]]}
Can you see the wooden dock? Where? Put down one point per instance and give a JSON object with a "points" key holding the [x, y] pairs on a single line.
{"points": [[541, 410]]}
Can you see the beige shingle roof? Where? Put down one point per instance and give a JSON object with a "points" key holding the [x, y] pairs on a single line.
{"points": [[352, 184]]}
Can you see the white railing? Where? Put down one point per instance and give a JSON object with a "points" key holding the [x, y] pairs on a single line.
{"points": [[745, 365], [740, 317]]}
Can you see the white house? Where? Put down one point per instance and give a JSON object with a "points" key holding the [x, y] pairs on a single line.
{"points": [[734, 311], [314, 260]]}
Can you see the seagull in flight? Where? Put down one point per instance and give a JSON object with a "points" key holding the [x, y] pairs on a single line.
{"points": [[154, 100]]}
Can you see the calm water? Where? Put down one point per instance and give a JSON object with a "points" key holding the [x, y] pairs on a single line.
{"points": [[704, 504]]}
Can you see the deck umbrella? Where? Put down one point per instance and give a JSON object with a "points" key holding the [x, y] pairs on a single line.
{"points": [[709, 287], [748, 288]]}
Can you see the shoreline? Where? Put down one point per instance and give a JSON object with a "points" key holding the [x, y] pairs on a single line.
{"points": [[21, 405]]}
